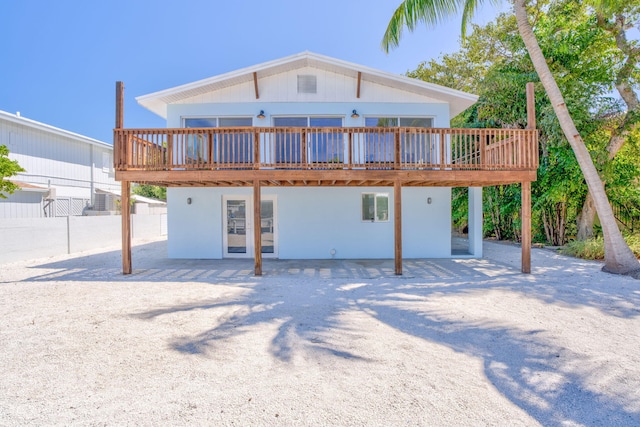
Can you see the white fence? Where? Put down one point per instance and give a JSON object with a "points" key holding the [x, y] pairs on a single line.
{"points": [[29, 238]]}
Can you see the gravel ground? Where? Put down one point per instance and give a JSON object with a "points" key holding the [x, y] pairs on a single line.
{"points": [[201, 342]]}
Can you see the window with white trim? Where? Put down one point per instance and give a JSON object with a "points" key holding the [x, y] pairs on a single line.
{"points": [[228, 147], [375, 207], [379, 146], [321, 146]]}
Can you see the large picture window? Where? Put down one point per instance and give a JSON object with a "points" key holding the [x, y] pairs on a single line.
{"points": [[326, 146], [231, 147], [375, 207], [321, 146], [288, 146], [379, 145]]}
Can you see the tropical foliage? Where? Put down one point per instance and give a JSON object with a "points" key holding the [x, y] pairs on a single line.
{"points": [[8, 168], [588, 64], [151, 191]]}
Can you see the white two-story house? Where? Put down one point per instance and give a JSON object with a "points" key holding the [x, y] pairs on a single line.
{"points": [[311, 157]]}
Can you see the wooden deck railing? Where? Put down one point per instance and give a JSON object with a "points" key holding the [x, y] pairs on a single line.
{"points": [[325, 148]]}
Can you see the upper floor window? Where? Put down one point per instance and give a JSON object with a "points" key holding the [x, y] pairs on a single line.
{"points": [[231, 147], [388, 122], [201, 122], [321, 146], [413, 148], [214, 122]]}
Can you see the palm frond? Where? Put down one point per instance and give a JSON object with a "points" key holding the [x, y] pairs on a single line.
{"points": [[430, 12]]}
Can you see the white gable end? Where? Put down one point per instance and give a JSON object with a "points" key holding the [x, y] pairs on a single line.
{"points": [[331, 87], [336, 81]]}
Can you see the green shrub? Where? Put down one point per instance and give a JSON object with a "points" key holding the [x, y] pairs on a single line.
{"points": [[594, 248]]}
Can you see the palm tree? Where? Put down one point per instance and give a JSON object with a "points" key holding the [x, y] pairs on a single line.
{"points": [[618, 257]]}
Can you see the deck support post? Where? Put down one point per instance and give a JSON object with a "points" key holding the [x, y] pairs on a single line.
{"points": [[526, 188], [125, 194], [125, 210], [397, 213], [257, 228], [526, 227]]}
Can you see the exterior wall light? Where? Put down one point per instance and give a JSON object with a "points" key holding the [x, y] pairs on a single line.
{"points": [[429, 200], [188, 200], [354, 114], [261, 114]]}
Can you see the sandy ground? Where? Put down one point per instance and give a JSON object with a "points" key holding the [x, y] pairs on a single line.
{"points": [[201, 342]]}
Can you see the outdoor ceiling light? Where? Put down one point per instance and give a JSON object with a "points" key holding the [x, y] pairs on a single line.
{"points": [[354, 114], [261, 114]]}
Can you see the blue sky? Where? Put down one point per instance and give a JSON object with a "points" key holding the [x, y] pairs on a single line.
{"points": [[61, 59]]}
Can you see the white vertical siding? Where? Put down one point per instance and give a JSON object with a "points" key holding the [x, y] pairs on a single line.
{"points": [[332, 87], [22, 204], [103, 173], [64, 162]]}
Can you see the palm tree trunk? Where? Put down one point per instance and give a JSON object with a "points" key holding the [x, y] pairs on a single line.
{"points": [[586, 219], [617, 255], [587, 216], [624, 85]]}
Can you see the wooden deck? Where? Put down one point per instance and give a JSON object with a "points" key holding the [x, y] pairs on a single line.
{"points": [[363, 156], [326, 156]]}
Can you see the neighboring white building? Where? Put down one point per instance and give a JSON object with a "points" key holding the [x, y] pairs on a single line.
{"points": [[344, 221], [65, 173]]}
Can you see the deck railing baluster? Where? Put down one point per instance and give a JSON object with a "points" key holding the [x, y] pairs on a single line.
{"points": [[327, 148]]}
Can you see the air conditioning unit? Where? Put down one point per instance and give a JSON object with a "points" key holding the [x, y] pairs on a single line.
{"points": [[51, 195]]}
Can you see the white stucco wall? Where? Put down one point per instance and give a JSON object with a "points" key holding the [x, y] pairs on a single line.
{"points": [[475, 221], [195, 230], [426, 228], [438, 112], [311, 221]]}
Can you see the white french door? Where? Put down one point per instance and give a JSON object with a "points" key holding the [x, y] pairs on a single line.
{"points": [[238, 225]]}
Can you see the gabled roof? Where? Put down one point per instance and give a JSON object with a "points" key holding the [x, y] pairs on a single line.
{"points": [[17, 118], [157, 102]]}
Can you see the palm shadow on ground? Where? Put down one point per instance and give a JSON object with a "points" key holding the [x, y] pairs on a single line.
{"points": [[522, 364]]}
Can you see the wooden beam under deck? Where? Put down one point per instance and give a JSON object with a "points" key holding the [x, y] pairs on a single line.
{"points": [[427, 178]]}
